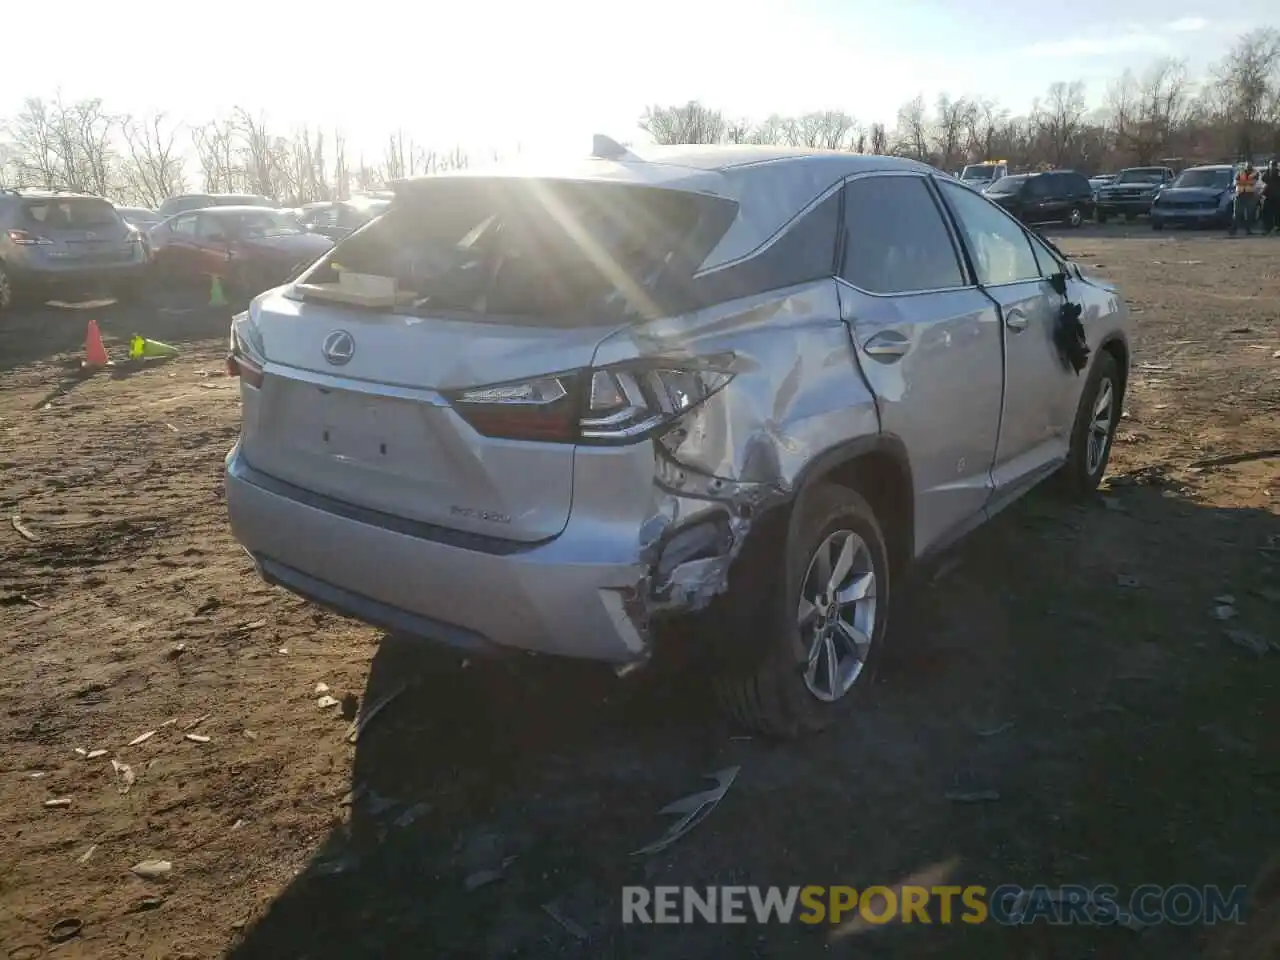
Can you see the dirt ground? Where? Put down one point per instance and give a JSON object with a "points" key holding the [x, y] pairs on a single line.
{"points": [[1066, 658]]}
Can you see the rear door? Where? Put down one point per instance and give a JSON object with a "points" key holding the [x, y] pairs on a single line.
{"points": [[214, 237], [1032, 433], [81, 230], [460, 407], [928, 342]]}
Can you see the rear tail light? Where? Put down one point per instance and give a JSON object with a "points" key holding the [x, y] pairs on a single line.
{"points": [[24, 239], [245, 355], [606, 406]]}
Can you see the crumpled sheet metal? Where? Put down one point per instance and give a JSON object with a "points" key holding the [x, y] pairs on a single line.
{"points": [[694, 809]]}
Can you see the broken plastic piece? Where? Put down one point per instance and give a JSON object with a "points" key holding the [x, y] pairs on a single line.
{"points": [[695, 807]]}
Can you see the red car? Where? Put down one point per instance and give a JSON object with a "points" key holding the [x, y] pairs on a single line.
{"points": [[250, 248]]}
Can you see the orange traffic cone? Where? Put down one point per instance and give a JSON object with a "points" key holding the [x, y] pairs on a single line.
{"points": [[95, 354]]}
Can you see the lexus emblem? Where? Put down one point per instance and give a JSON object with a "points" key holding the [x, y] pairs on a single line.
{"points": [[339, 347]]}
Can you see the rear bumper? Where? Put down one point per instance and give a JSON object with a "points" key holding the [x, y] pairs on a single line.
{"points": [[558, 597], [75, 274]]}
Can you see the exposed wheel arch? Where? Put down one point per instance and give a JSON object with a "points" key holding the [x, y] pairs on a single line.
{"points": [[878, 468]]}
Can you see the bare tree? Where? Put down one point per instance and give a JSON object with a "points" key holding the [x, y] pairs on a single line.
{"points": [[825, 129], [879, 139], [913, 129], [217, 148], [154, 171], [983, 122], [1248, 81], [691, 123], [955, 118], [1060, 118]]}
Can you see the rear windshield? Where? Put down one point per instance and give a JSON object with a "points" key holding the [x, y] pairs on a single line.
{"points": [[980, 171], [551, 251], [1213, 179], [71, 213], [1154, 175], [241, 200], [1008, 184], [268, 223]]}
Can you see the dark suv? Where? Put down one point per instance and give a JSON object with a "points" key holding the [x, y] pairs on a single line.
{"points": [[1058, 196], [1132, 192]]}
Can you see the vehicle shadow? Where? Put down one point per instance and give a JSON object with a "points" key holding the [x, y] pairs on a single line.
{"points": [[1045, 669], [33, 334]]}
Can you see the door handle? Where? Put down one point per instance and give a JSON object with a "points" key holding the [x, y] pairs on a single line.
{"points": [[886, 346], [1016, 320]]}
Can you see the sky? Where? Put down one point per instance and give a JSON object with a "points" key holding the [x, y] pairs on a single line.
{"points": [[502, 74]]}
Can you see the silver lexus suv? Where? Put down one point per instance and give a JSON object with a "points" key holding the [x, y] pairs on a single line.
{"points": [[740, 385]]}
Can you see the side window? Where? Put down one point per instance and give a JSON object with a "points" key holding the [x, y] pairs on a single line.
{"points": [[184, 225], [805, 251], [1039, 186], [895, 240], [999, 246], [211, 228], [1046, 258]]}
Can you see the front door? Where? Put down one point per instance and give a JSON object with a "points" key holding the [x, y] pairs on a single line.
{"points": [[1033, 434], [928, 342]]}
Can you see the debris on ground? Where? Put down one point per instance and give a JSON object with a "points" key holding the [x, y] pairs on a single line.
{"points": [[197, 721], [124, 774], [411, 814], [695, 808], [84, 857], [197, 738], [23, 530], [1223, 611], [325, 702], [569, 926], [1125, 580], [1007, 725], [321, 688], [1248, 641], [152, 869], [141, 738], [481, 878], [357, 728], [65, 929], [975, 796], [95, 754], [58, 803]]}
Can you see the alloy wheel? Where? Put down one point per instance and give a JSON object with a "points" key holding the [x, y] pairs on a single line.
{"points": [[1100, 426], [836, 614], [1077, 217]]}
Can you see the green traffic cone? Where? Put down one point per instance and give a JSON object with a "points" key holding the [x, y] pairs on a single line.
{"points": [[140, 348], [216, 297]]}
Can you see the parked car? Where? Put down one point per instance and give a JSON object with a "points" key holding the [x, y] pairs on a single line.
{"points": [[746, 384], [60, 240], [1057, 196], [1101, 180], [336, 219], [198, 201], [1131, 193], [1199, 197], [251, 248], [980, 176], [142, 220]]}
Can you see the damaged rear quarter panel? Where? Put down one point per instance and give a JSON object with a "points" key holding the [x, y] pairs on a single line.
{"points": [[796, 392]]}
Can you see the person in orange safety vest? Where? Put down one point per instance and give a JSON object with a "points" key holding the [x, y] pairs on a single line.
{"points": [[1246, 200]]}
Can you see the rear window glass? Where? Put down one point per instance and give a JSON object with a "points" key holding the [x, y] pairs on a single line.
{"points": [[1146, 175], [551, 251], [1008, 184], [72, 213], [1213, 179], [268, 224]]}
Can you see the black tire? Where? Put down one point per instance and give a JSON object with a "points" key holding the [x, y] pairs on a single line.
{"points": [[1077, 479], [760, 678], [8, 296], [1075, 218]]}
